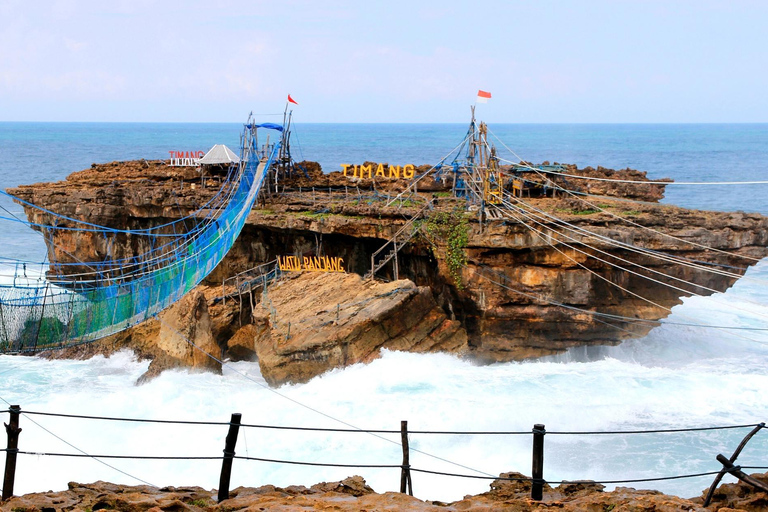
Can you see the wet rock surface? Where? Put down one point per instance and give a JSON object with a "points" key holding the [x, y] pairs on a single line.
{"points": [[326, 321]]}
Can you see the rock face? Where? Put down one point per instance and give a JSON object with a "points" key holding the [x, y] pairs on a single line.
{"points": [[181, 337], [295, 335], [352, 494], [523, 264], [326, 321], [185, 338]]}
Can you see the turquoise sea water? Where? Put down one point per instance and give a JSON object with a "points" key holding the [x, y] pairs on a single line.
{"points": [[676, 376]]}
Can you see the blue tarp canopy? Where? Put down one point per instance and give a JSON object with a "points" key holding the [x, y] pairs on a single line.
{"points": [[271, 126]]}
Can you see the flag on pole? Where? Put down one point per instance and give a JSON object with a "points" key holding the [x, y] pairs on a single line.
{"points": [[483, 96], [291, 100]]}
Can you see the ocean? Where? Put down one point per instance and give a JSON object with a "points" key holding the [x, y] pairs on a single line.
{"points": [[675, 377]]}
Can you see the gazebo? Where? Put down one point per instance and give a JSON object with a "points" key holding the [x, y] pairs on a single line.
{"points": [[217, 161]]}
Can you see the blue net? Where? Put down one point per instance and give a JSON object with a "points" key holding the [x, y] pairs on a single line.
{"points": [[38, 313]]}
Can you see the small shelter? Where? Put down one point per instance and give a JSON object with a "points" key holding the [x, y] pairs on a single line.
{"points": [[218, 160], [219, 155]]}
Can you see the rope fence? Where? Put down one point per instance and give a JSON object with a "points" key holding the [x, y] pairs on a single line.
{"points": [[383, 431], [538, 432]]}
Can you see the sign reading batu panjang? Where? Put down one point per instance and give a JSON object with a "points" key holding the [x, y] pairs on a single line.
{"points": [[379, 171], [311, 263]]}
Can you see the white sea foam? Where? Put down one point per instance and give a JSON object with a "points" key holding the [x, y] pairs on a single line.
{"points": [[432, 392], [677, 376]]}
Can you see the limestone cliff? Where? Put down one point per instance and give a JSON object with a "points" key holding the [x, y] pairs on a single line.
{"points": [[522, 266], [326, 321]]}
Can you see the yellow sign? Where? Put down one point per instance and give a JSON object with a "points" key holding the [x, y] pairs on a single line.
{"points": [[367, 171], [311, 263]]}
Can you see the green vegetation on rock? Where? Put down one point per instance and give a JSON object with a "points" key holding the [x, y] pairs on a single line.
{"points": [[452, 230]]}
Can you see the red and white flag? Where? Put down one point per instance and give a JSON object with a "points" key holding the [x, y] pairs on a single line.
{"points": [[291, 100], [483, 96]]}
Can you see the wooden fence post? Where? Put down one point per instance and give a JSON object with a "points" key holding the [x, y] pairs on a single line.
{"points": [[12, 429], [537, 471], [229, 454], [733, 458], [405, 472]]}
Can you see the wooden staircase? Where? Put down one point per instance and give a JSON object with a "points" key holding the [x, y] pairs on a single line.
{"points": [[403, 235]]}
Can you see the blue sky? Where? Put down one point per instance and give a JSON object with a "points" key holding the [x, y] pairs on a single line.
{"points": [[544, 61]]}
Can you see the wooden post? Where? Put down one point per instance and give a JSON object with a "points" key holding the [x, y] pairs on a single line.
{"points": [[397, 271], [229, 454], [537, 471], [5, 340], [405, 472], [733, 458], [738, 473], [12, 429]]}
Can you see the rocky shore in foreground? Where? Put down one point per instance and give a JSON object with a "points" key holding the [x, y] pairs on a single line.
{"points": [[352, 494]]}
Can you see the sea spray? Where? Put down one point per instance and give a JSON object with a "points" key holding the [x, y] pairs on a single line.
{"points": [[433, 392]]}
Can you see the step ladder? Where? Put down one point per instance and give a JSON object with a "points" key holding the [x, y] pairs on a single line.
{"points": [[389, 250]]}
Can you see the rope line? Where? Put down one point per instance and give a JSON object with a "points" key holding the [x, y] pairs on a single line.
{"points": [[84, 454], [561, 482], [548, 217], [482, 272], [322, 464], [300, 404], [137, 457], [572, 193], [137, 420], [380, 466], [653, 431], [384, 431], [666, 183], [548, 240]]}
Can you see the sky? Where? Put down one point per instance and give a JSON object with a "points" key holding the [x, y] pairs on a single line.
{"points": [[409, 61]]}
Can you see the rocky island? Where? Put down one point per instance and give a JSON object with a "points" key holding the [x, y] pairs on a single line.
{"points": [[519, 283]]}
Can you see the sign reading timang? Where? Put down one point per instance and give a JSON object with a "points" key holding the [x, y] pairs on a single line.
{"points": [[311, 263], [380, 171], [185, 158]]}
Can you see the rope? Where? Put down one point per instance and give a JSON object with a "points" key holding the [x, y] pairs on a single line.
{"points": [[653, 431], [322, 464], [135, 420], [481, 273], [636, 249], [562, 482], [617, 243], [84, 454], [356, 430], [376, 466], [417, 180], [300, 404], [571, 192], [666, 183], [531, 217], [136, 457], [622, 288]]}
